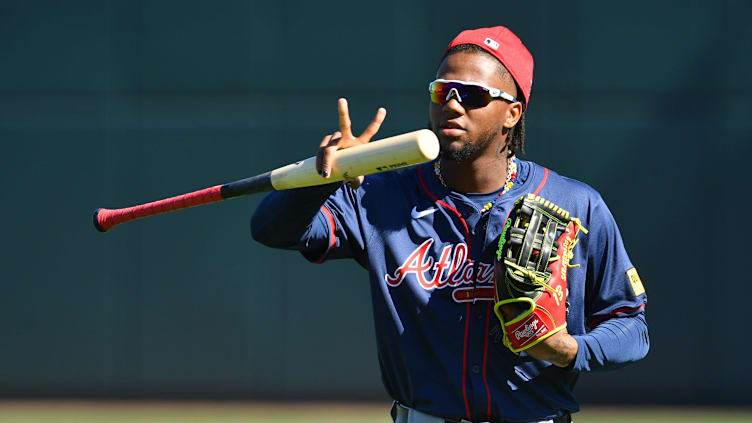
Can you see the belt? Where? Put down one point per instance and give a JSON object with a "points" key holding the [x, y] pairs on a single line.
{"points": [[403, 414]]}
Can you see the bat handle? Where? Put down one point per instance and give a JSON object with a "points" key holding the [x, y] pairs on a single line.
{"points": [[106, 219]]}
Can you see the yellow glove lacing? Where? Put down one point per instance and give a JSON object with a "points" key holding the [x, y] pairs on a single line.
{"points": [[541, 280]]}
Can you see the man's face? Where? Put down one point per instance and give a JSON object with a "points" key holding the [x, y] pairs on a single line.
{"points": [[467, 132]]}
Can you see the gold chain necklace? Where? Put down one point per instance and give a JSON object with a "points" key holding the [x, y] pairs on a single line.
{"points": [[508, 184]]}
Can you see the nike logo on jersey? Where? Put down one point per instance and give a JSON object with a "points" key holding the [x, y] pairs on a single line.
{"points": [[418, 214]]}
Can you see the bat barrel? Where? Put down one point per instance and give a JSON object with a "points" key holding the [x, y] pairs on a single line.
{"points": [[378, 156]]}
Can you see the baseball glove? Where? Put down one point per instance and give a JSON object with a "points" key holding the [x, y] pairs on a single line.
{"points": [[531, 265]]}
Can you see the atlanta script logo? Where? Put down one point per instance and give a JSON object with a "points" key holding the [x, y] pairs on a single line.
{"points": [[453, 269]]}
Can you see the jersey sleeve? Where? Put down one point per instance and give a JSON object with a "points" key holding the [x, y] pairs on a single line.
{"points": [[613, 287], [336, 231], [614, 300], [284, 216]]}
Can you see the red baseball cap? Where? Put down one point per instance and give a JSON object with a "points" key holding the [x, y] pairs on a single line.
{"points": [[505, 46]]}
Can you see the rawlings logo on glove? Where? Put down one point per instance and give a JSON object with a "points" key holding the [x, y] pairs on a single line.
{"points": [[528, 330], [535, 250]]}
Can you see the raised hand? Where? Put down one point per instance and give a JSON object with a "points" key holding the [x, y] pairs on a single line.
{"points": [[343, 139]]}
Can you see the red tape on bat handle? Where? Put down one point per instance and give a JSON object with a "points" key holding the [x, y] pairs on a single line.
{"points": [[105, 219]]}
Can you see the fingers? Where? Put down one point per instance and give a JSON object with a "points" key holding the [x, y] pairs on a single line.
{"points": [[354, 183], [324, 156], [344, 118], [320, 153], [345, 139], [374, 126]]}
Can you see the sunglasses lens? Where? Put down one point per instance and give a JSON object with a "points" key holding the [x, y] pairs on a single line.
{"points": [[469, 95], [439, 92]]}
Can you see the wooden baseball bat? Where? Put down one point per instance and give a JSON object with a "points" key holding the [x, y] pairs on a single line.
{"points": [[377, 156]]}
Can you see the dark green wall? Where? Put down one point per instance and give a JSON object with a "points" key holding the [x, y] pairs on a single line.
{"points": [[112, 103]]}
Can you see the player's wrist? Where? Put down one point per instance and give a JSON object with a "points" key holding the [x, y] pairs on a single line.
{"points": [[565, 350], [559, 349]]}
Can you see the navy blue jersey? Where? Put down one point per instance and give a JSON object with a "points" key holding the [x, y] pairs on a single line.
{"points": [[429, 253]]}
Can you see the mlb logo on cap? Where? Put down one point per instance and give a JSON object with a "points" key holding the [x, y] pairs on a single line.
{"points": [[491, 43]]}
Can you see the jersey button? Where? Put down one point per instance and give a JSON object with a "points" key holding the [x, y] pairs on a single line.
{"points": [[476, 369], [480, 315]]}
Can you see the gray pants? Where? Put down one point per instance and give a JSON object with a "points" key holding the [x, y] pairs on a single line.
{"points": [[402, 414]]}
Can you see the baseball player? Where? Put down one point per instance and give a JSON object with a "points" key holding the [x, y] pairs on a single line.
{"points": [[495, 281]]}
